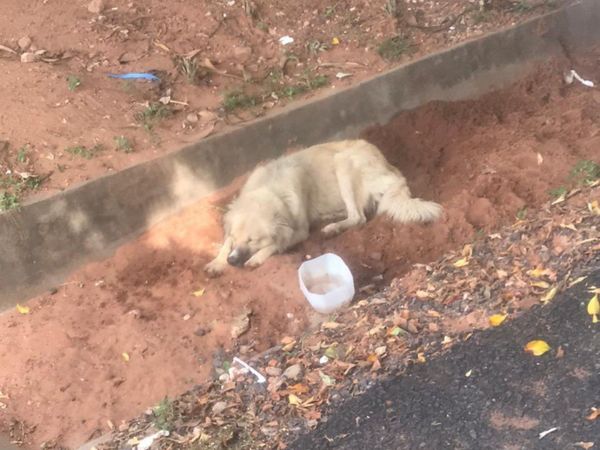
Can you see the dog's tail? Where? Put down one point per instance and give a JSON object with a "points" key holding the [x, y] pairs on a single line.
{"points": [[397, 203]]}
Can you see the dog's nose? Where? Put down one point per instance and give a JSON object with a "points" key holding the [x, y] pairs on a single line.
{"points": [[237, 257]]}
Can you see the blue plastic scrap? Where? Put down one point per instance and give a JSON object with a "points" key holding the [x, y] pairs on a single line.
{"points": [[135, 76]]}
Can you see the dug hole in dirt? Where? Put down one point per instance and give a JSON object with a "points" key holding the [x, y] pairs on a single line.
{"points": [[122, 334]]}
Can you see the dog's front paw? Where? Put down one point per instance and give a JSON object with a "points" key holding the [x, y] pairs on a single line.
{"points": [[331, 230], [214, 268], [254, 262]]}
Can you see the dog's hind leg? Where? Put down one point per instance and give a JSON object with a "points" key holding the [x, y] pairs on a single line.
{"points": [[217, 265], [355, 213]]}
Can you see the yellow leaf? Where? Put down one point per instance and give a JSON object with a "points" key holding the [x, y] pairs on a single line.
{"points": [[335, 41], [538, 272], [497, 319], [125, 356], [23, 309], [594, 208], [462, 262], [549, 295], [421, 358], [593, 308], [330, 325], [576, 281], [537, 347], [294, 400], [199, 292], [569, 226], [541, 284]]}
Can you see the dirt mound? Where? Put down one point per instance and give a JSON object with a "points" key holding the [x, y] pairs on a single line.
{"points": [[221, 63], [487, 160]]}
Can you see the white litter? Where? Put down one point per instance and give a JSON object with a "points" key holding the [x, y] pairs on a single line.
{"points": [[323, 360], [543, 434], [341, 75], [285, 40], [147, 442], [326, 282], [574, 75], [259, 377]]}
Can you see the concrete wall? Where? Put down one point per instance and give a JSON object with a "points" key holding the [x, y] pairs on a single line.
{"points": [[45, 240]]}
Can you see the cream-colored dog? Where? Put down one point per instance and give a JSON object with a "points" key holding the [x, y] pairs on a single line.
{"points": [[282, 199]]}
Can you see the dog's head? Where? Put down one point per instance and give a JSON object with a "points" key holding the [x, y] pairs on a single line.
{"points": [[253, 224]]}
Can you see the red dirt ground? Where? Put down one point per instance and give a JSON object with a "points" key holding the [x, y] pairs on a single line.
{"points": [[41, 117], [63, 367]]}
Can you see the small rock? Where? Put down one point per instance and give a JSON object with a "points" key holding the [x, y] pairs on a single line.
{"points": [[376, 256], [219, 407], [244, 349], [28, 57], [273, 371], [96, 6], [192, 118], [201, 331], [135, 313], [241, 324], [187, 317], [242, 53], [293, 372], [24, 43]]}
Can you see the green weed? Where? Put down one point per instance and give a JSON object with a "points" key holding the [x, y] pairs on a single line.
{"points": [[392, 49]]}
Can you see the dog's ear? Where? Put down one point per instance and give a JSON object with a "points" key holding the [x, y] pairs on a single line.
{"points": [[284, 231]]}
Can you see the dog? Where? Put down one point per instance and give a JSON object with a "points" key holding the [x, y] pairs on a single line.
{"points": [[341, 181]]}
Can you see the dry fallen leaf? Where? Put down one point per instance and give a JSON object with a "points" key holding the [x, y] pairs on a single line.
{"points": [[299, 388], [568, 226], [594, 208], [541, 284], [549, 295], [294, 400], [335, 41], [537, 347], [462, 262], [331, 325], [421, 357], [199, 292], [593, 308], [497, 319], [576, 281], [560, 352], [539, 272], [540, 159], [23, 309], [594, 414], [125, 356], [584, 445]]}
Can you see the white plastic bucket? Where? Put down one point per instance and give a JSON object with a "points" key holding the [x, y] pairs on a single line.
{"points": [[326, 282]]}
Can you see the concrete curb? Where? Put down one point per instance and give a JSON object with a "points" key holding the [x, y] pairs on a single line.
{"points": [[47, 239]]}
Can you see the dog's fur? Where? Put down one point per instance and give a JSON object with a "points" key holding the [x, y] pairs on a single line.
{"points": [[282, 199]]}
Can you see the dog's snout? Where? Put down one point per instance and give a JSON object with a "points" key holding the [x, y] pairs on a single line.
{"points": [[237, 257]]}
